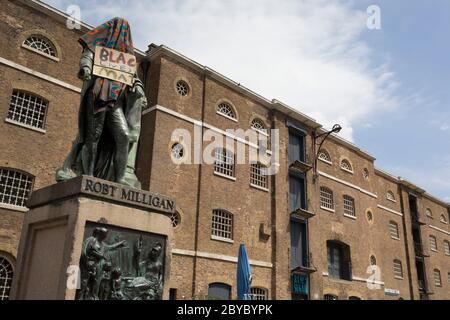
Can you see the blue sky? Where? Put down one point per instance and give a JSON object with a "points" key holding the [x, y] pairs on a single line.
{"points": [[387, 87]]}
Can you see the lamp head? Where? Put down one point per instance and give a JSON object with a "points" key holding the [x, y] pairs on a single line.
{"points": [[336, 128]]}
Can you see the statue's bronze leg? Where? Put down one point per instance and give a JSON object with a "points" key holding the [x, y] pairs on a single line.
{"points": [[94, 128], [120, 132]]}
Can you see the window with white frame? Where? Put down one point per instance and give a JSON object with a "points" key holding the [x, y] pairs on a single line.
{"points": [[433, 243], [366, 174], [257, 177], [447, 248], [346, 166], [15, 187], [330, 297], [429, 213], [437, 278], [258, 293], [324, 156], [40, 44], [224, 162], [393, 230], [226, 110], [222, 224], [443, 219], [6, 276], [27, 109], [176, 219], [326, 198], [349, 206], [390, 196], [182, 88], [398, 269], [258, 125]]}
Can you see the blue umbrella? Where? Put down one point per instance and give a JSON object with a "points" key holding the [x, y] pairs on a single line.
{"points": [[244, 275]]}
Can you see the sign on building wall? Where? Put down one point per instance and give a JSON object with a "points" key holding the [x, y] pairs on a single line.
{"points": [[114, 65]]}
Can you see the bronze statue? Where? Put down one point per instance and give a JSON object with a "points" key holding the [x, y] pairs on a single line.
{"points": [[110, 111]]}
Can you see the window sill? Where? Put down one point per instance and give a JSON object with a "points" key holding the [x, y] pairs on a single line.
{"points": [[327, 209], [17, 123], [224, 176], [225, 116], [349, 216], [41, 53], [433, 250], [216, 238], [327, 162], [13, 208], [348, 171], [258, 187], [394, 201], [394, 238], [399, 278]]}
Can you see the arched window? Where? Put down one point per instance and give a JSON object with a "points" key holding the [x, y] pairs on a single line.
{"points": [[339, 260], [346, 166], [258, 125], [330, 297], [222, 225], [354, 298], [390, 196], [41, 45], [226, 110], [398, 269], [324, 156], [224, 162], [443, 219], [393, 230], [219, 291], [6, 276], [437, 278], [349, 206], [429, 213], [15, 187], [258, 293], [326, 199], [27, 109]]}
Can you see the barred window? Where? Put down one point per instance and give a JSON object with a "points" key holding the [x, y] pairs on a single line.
{"points": [[390, 196], [398, 269], [325, 156], [373, 261], [354, 298], [448, 277], [41, 44], [393, 230], [447, 248], [366, 174], [224, 163], [330, 297], [433, 243], [6, 276], [429, 213], [443, 219], [437, 278], [326, 198], [258, 294], [15, 187], [226, 110], [27, 109], [345, 165], [349, 206], [257, 178], [222, 224]]}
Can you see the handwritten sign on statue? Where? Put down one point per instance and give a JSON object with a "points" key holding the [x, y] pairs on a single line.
{"points": [[114, 65]]}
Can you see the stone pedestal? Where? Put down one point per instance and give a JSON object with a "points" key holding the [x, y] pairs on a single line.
{"points": [[69, 222]]}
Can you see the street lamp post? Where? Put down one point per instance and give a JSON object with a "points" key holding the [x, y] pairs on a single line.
{"points": [[318, 140]]}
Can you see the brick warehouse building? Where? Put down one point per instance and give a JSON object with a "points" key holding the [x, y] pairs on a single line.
{"points": [[324, 226]]}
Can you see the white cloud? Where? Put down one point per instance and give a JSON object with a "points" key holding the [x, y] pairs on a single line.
{"points": [[307, 53]]}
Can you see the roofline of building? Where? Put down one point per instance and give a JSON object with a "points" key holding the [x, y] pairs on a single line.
{"points": [[158, 50], [386, 175], [62, 16]]}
